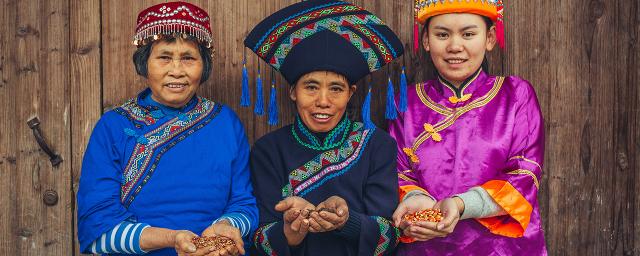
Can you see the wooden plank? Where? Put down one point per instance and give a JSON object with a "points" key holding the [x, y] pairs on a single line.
{"points": [[8, 141], [528, 55], [624, 20], [584, 127], [634, 140], [86, 90], [35, 45], [118, 27]]}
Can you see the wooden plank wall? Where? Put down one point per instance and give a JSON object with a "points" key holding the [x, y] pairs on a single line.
{"points": [[66, 61]]}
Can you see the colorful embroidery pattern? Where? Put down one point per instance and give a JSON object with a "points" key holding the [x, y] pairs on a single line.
{"points": [[388, 235], [136, 113], [263, 48], [261, 240], [335, 138], [329, 164], [345, 27], [159, 140]]}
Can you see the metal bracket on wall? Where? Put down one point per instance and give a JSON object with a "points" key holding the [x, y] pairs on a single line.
{"points": [[34, 124]]}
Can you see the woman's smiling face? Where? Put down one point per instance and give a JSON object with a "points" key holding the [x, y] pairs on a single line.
{"points": [[457, 43], [321, 99], [175, 69]]}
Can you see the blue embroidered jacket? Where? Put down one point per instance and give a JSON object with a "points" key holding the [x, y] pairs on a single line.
{"points": [[171, 168]]}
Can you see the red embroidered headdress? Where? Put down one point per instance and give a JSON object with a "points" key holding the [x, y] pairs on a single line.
{"points": [[173, 18]]}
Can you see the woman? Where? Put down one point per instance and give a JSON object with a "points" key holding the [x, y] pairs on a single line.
{"points": [[167, 164], [471, 144], [325, 185]]}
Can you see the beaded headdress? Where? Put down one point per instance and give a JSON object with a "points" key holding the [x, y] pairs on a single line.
{"points": [[173, 19]]}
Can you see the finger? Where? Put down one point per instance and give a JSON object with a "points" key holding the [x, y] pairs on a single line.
{"points": [[326, 225], [404, 224], [432, 226], [314, 226], [187, 246], [449, 218], [284, 204], [342, 209], [237, 239], [198, 252], [232, 250], [291, 215], [398, 214], [330, 217], [304, 227], [416, 231], [295, 224]]}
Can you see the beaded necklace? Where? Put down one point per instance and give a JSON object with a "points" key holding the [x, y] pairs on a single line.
{"points": [[340, 131]]}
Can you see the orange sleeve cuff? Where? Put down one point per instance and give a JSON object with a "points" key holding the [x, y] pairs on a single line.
{"points": [[403, 190], [517, 207]]}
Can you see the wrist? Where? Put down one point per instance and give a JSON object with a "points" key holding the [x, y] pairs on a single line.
{"points": [[416, 193], [170, 238], [459, 204]]}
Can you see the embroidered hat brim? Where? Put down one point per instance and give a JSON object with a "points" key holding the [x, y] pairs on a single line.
{"points": [[319, 35]]}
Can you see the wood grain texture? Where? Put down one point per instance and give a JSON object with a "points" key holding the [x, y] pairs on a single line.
{"points": [[86, 87], [36, 55], [67, 61]]}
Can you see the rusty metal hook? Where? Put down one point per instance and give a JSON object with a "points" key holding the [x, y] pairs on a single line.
{"points": [[34, 124]]}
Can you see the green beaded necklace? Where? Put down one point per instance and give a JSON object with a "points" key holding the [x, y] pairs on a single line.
{"points": [[343, 128]]}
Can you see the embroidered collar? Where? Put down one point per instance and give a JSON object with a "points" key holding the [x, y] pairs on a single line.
{"points": [[331, 139], [458, 92], [329, 164]]}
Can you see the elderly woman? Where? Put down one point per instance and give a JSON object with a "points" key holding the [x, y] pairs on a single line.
{"points": [[167, 165], [325, 185]]}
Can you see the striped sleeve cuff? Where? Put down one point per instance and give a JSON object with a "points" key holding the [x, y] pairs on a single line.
{"points": [[237, 220], [124, 238]]}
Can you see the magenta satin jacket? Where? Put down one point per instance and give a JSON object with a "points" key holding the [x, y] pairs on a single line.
{"points": [[489, 133]]}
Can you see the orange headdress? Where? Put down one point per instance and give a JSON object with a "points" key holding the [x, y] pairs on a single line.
{"points": [[492, 9]]}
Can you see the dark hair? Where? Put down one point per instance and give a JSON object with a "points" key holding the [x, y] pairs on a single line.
{"points": [[141, 57], [485, 61]]}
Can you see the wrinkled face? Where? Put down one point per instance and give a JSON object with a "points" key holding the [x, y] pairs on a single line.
{"points": [[174, 72], [457, 44], [321, 99]]}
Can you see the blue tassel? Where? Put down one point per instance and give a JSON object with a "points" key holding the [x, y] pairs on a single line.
{"points": [[245, 98], [273, 106], [390, 112], [259, 107], [366, 111], [403, 92]]}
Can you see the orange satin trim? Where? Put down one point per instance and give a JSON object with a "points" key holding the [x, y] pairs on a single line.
{"points": [[403, 190], [406, 239], [514, 203]]}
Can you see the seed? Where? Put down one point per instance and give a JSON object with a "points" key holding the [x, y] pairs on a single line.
{"points": [[431, 215], [217, 242]]}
